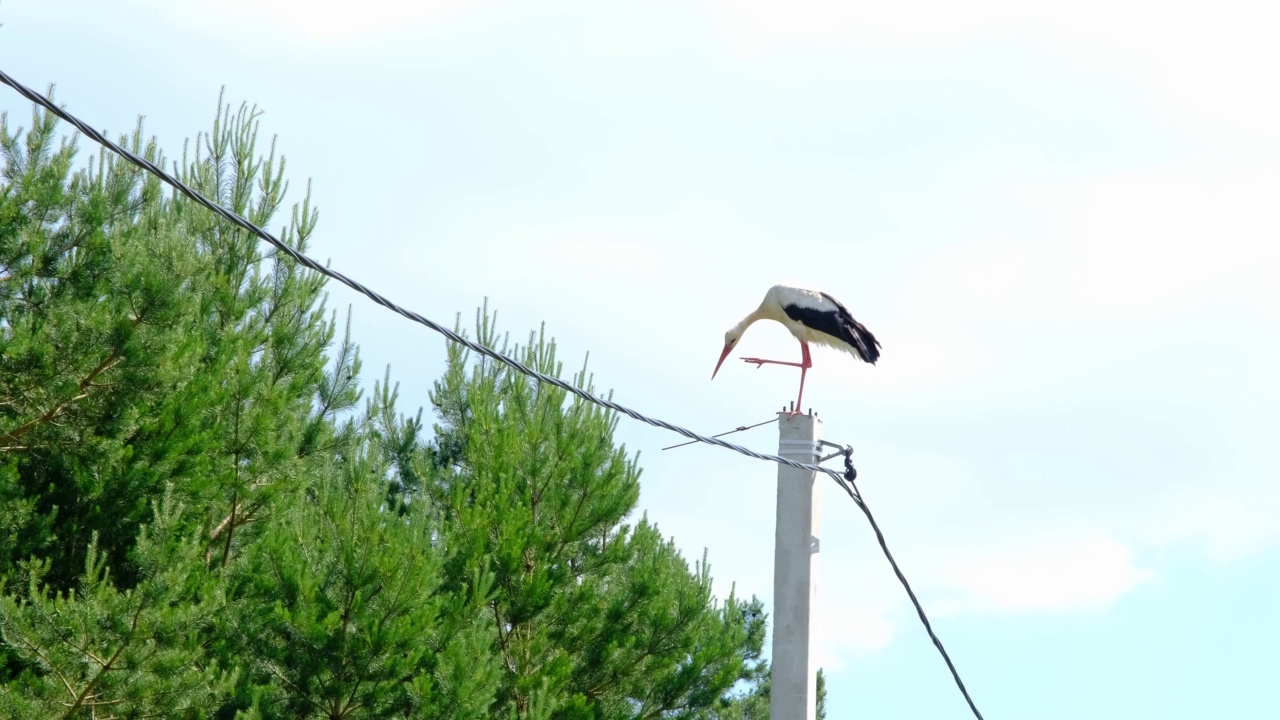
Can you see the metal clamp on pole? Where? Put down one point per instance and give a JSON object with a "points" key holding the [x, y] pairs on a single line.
{"points": [[840, 450]]}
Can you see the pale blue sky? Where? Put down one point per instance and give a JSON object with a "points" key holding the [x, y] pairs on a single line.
{"points": [[1060, 223]]}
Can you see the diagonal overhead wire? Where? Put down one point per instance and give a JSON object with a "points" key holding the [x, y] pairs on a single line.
{"points": [[378, 298], [844, 479], [852, 489]]}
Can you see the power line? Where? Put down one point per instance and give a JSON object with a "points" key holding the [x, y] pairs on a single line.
{"points": [[845, 480], [849, 487], [307, 262]]}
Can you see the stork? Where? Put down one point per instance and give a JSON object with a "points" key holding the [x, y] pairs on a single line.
{"points": [[812, 317]]}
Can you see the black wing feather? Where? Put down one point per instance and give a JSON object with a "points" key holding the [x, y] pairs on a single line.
{"points": [[856, 333], [838, 324]]}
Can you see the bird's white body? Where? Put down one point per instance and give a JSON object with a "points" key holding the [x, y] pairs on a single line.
{"points": [[792, 306], [781, 296]]}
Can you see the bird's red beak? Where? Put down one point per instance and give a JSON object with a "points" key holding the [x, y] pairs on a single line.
{"points": [[723, 355]]}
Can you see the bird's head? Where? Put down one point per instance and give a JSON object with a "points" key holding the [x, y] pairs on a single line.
{"points": [[731, 339]]}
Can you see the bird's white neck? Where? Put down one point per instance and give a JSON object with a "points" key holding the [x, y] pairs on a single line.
{"points": [[760, 313]]}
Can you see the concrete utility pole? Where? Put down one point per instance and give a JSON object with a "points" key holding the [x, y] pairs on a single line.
{"points": [[794, 683]]}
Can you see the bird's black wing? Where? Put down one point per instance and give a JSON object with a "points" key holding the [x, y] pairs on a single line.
{"points": [[839, 324], [854, 332]]}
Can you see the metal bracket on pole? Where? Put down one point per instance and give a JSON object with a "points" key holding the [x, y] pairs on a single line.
{"points": [[813, 447], [840, 450]]}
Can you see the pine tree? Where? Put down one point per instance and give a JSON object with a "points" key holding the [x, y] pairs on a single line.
{"points": [[595, 617], [145, 344], [336, 610], [93, 297], [145, 341]]}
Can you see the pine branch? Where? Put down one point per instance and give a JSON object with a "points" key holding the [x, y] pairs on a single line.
{"points": [[87, 692], [40, 654], [7, 440], [231, 523], [502, 639], [235, 488], [300, 692], [240, 517]]}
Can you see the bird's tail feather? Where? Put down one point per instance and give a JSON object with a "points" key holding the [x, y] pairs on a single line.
{"points": [[868, 346]]}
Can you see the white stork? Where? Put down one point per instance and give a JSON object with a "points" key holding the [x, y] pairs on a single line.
{"points": [[812, 317]]}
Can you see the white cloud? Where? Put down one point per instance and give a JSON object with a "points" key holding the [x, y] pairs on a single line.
{"points": [[1130, 247], [317, 21], [861, 607], [1120, 260], [1224, 521], [758, 24], [1208, 66], [963, 553], [850, 628], [1085, 572]]}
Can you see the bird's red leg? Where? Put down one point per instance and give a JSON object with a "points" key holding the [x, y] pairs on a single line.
{"points": [[805, 364]]}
